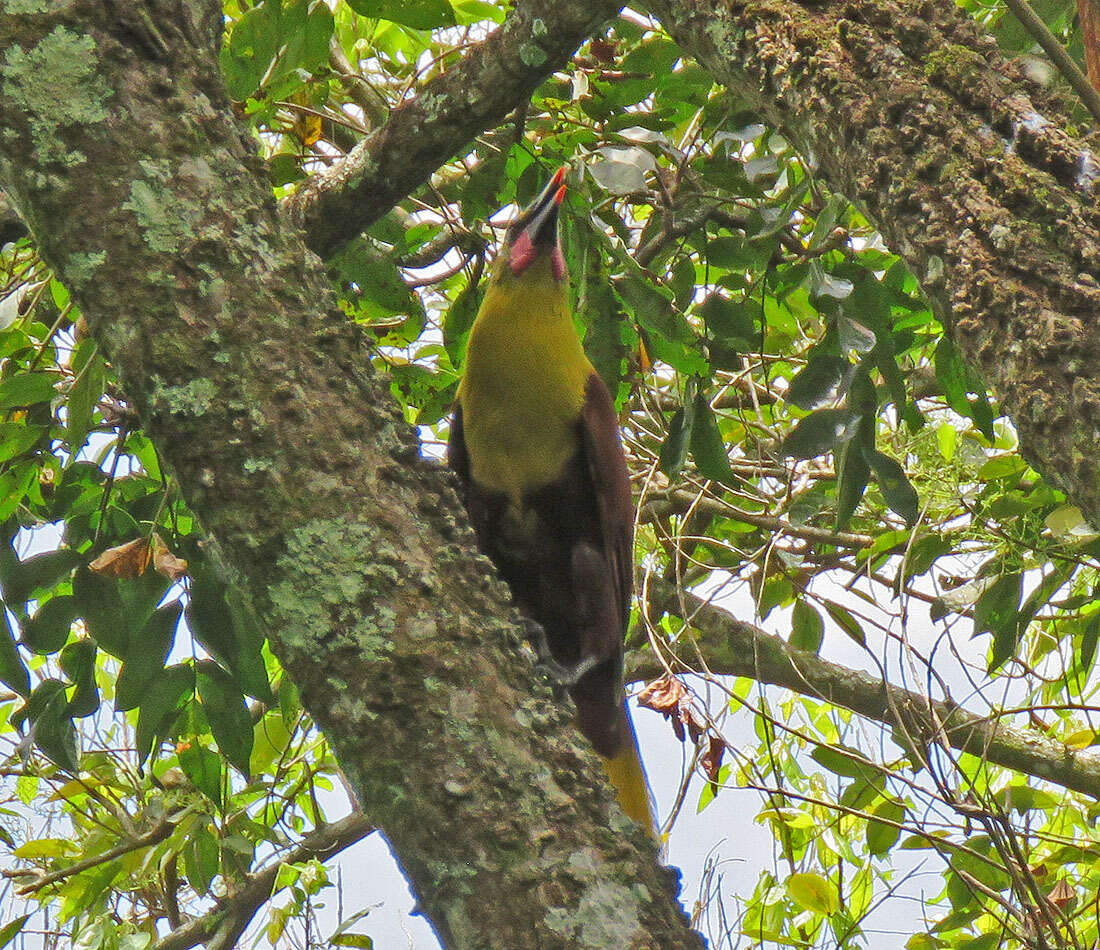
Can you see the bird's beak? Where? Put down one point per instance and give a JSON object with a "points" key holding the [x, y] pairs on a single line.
{"points": [[540, 225]]}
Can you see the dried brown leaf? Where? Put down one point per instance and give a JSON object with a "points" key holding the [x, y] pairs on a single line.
{"points": [[165, 562], [711, 761], [1062, 894], [125, 561]]}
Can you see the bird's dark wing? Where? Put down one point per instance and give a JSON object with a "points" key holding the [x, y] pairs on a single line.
{"points": [[457, 456], [603, 451]]}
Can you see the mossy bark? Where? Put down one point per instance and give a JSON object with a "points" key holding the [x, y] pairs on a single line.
{"points": [[968, 169], [122, 154]]}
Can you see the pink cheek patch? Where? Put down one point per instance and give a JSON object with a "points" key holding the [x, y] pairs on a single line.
{"points": [[557, 264], [523, 253]]}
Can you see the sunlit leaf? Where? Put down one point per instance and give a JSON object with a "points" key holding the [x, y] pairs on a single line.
{"points": [[419, 14], [813, 893]]}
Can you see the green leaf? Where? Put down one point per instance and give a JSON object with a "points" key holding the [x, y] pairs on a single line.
{"points": [[12, 929], [984, 942], [730, 319], [675, 447], [247, 55], [419, 14], [853, 473], [269, 742], [47, 631], [1047, 588], [84, 394], [115, 611], [921, 556], [821, 380], [15, 484], [41, 572], [1088, 642], [958, 381], [26, 389], [352, 940], [845, 761], [881, 837], [17, 438], [807, 627], [13, 672], [160, 704], [204, 768], [146, 657], [845, 621], [54, 732], [996, 612], [200, 860], [306, 36], [707, 445], [814, 893], [229, 637], [897, 491], [457, 323], [225, 710], [78, 663], [820, 432]]}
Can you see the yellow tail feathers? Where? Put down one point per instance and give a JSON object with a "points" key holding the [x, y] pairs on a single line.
{"points": [[627, 774]]}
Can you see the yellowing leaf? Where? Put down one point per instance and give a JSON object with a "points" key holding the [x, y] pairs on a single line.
{"points": [[813, 893], [45, 848], [1067, 523]]}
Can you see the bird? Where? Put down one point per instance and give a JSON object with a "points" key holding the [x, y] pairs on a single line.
{"points": [[535, 443]]}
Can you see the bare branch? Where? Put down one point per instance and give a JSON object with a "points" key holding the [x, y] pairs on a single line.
{"points": [[450, 109], [735, 648], [224, 924], [154, 835]]}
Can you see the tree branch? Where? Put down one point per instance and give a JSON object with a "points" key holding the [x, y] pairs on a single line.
{"points": [[449, 110], [676, 502], [1058, 54], [232, 914], [732, 647], [154, 835]]}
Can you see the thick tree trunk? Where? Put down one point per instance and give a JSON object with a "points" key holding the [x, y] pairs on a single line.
{"points": [[121, 152], [968, 171]]}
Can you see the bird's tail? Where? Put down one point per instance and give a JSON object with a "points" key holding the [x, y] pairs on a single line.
{"points": [[628, 776]]}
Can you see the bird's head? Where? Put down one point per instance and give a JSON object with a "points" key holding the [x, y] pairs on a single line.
{"points": [[533, 237]]}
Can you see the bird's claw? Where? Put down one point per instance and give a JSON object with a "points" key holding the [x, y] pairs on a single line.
{"points": [[563, 674]]}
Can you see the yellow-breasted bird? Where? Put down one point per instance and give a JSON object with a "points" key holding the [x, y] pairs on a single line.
{"points": [[535, 443]]}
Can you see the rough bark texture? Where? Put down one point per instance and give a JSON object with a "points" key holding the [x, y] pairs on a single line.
{"points": [[447, 113], [735, 648], [965, 167], [121, 153]]}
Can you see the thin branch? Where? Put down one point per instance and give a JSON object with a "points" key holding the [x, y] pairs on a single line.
{"points": [[154, 836], [1063, 62], [678, 502], [448, 112], [223, 925], [735, 648]]}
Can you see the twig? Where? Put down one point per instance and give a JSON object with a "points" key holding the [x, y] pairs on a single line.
{"points": [[154, 836], [1070, 71], [735, 648], [222, 926]]}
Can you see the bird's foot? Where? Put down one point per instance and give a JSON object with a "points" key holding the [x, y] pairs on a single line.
{"points": [[562, 674]]}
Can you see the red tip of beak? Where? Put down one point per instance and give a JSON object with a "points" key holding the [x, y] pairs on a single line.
{"points": [[559, 195], [559, 175]]}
